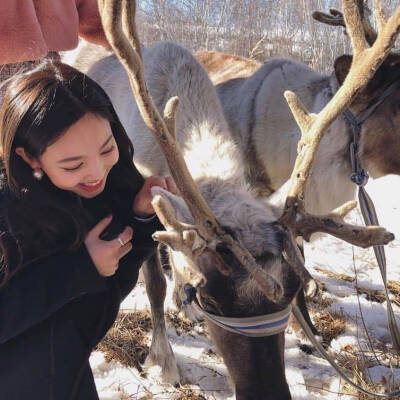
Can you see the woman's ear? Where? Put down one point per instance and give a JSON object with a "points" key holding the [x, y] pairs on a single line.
{"points": [[33, 162]]}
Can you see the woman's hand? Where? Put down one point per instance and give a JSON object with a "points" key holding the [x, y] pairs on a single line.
{"points": [[142, 204], [106, 254]]}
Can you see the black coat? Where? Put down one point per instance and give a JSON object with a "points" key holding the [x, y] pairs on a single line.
{"points": [[55, 310]]}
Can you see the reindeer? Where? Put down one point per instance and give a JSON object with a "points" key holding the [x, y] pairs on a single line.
{"points": [[240, 260], [212, 159], [268, 135], [223, 67]]}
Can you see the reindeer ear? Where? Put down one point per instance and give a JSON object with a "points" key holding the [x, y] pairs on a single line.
{"points": [[178, 204], [342, 67]]}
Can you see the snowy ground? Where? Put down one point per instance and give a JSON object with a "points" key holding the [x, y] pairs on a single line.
{"points": [[309, 376]]}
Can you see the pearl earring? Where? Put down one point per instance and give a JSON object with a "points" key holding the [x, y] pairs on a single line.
{"points": [[37, 174]]}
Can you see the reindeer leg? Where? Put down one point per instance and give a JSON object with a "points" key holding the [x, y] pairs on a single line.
{"points": [[160, 350]]}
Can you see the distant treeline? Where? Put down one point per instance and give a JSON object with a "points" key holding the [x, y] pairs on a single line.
{"points": [[258, 29]]}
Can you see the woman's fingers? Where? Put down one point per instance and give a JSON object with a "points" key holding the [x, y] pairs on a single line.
{"points": [[166, 183], [171, 186], [124, 250], [109, 271], [125, 236]]}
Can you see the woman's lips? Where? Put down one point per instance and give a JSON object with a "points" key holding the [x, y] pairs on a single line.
{"points": [[91, 188]]}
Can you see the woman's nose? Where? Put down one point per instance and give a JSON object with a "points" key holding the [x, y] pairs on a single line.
{"points": [[96, 170]]}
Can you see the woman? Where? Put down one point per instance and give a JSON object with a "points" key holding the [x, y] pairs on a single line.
{"points": [[71, 202]]}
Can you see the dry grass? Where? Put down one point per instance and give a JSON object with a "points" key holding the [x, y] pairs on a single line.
{"points": [[126, 341], [188, 394], [371, 295], [355, 362], [335, 275], [329, 324], [394, 287], [181, 324], [321, 302], [357, 365]]}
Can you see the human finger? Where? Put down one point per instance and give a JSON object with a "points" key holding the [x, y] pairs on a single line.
{"points": [[156, 181], [124, 250], [125, 236], [171, 186], [111, 270]]}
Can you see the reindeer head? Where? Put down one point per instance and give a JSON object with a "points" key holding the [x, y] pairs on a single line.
{"points": [[228, 290], [379, 144], [380, 132], [254, 226]]}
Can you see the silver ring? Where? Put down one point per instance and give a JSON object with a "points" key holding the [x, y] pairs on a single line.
{"points": [[121, 242]]}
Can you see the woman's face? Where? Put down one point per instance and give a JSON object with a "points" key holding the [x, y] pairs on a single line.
{"points": [[80, 160]]}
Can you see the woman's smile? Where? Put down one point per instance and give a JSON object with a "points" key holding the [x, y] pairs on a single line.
{"points": [[93, 186]]}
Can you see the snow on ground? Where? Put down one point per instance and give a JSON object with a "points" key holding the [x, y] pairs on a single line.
{"points": [[309, 376]]}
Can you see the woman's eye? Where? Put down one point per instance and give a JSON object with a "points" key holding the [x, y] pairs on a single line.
{"points": [[73, 169], [108, 151]]}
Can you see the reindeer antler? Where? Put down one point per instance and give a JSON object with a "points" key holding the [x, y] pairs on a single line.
{"points": [[118, 18], [365, 62], [336, 18]]}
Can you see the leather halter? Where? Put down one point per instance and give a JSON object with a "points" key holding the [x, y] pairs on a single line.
{"points": [[359, 176]]}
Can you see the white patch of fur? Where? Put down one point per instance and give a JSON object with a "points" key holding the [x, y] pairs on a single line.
{"points": [[213, 156]]}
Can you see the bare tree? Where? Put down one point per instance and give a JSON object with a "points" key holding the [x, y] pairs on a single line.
{"points": [[258, 29]]}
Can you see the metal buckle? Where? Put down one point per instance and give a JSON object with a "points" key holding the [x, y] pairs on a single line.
{"points": [[359, 178]]}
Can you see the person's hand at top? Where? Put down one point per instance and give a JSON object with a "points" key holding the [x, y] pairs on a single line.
{"points": [[142, 203]]}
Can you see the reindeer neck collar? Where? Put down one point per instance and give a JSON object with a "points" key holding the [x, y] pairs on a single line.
{"points": [[258, 326]]}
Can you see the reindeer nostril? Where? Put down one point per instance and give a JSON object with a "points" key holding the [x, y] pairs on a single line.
{"points": [[190, 293]]}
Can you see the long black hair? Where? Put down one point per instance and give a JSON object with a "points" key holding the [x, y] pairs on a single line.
{"points": [[36, 217]]}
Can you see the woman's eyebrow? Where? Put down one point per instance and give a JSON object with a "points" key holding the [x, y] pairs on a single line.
{"points": [[80, 157], [106, 142]]}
